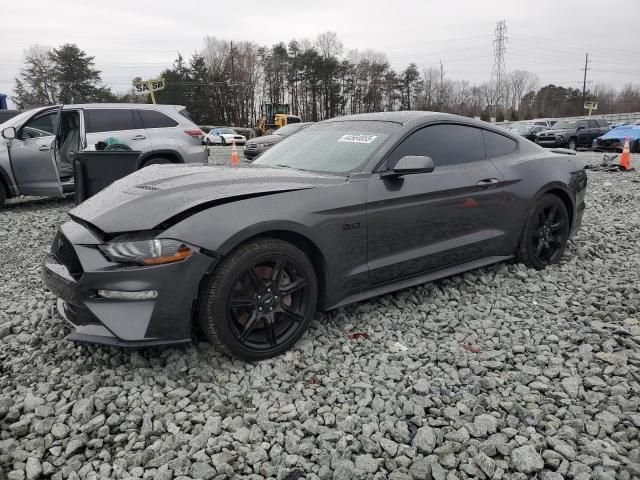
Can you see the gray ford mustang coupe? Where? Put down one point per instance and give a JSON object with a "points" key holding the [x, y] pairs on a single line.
{"points": [[348, 209]]}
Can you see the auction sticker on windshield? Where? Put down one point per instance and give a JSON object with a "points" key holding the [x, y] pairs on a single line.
{"points": [[357, 138]]}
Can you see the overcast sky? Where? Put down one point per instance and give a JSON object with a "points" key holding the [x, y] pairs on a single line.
{"points": [[130, 39]]}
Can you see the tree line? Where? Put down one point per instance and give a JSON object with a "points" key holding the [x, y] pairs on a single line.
{"points": [[227, 83]]}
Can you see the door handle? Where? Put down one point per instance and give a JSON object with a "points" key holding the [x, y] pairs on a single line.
{"points": [[488, 182], [138, 137], [44, 148]]}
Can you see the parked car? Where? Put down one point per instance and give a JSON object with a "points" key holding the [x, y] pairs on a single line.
{"points": [[614, 140], [256, 146], [543, 122], [527, 130], [224, 136], [573, 133], [347, 209], [7, 114], [36, 146]]}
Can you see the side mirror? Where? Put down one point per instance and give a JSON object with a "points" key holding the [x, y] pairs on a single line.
{"points": [[409, 165], [9, 133], [580, 127]]}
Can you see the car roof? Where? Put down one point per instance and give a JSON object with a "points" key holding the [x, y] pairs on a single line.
{"points": [[415, 118], [143, 106]]}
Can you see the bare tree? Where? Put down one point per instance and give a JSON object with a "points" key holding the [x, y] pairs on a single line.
{"points": [[36, 84], [328, 44], [520, 82]]}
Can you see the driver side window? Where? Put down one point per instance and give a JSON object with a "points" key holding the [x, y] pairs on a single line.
{"points": [[40, 126], [446, 144]]}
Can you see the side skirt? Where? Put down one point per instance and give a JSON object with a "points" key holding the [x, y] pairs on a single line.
{"points": [[424, 278]]}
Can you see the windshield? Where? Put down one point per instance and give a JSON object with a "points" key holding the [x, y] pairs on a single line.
{"points": [[521, 128], [228, 130], [335, 147], [289, 129], [565, 124]]}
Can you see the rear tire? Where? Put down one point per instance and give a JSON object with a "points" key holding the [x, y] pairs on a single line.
{"points": [[156, 161], [3, 195], [545, 234], [259, 301]]}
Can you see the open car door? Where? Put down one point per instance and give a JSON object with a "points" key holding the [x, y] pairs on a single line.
{"points": [[33, 154]]}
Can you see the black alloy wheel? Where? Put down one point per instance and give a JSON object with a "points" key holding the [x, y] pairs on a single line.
{"points": [[545, 235], [260, 300]]}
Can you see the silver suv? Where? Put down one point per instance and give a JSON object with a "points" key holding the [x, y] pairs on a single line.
{"points": [[36, 146]]}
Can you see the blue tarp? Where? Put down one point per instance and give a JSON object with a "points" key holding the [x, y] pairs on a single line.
{"points": [[3, 101], [620, 133]]}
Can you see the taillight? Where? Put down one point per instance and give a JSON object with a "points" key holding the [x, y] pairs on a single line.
{"points": [[195, 133]]}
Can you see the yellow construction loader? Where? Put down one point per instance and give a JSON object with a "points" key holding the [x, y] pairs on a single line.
{"points": [[276, 115]]}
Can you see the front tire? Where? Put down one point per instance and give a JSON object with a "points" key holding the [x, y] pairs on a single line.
{"points": [[260, 300], [572, 144], [545, 234], [223, 141], [3, 195]]}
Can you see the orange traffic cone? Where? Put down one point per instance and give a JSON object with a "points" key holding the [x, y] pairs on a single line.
{"points": [[625, 158], [235, 158]]}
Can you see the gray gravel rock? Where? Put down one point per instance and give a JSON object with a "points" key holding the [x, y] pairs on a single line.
{"points": [[509, 373], [526, 459]]}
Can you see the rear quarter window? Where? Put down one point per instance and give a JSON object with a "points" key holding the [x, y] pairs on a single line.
{"points": [[497, 145], [603, 123], [109, 120], [155, 119]]}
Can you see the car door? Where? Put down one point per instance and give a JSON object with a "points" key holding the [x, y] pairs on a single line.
{"points": [[160, 128], [594, 130], [121, 123], [32, 155], [583, 133], [428, 221]]}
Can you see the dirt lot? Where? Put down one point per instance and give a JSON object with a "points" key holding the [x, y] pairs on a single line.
{"points": [[508, 373]]}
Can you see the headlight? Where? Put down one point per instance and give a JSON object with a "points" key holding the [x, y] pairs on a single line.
{"points": [[560, 137], [147, 252]]}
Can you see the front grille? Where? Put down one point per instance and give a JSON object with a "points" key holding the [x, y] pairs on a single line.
{"points": [[64, 252], [251, 146], [238, 138]]}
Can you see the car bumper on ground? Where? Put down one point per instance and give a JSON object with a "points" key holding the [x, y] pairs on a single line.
{"points": [[76, 271]]}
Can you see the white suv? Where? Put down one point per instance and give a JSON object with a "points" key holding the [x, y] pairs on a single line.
{"points": [[36, 146]]}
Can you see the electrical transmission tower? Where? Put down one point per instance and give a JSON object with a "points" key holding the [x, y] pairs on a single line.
{"points": [[499, 71]]}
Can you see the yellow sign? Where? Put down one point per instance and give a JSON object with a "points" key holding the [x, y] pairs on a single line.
{"points": [[149, 86]]}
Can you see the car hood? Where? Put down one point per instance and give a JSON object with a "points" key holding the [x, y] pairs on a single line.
{"points": [[556, 131], [266, 139], [159, 194]]}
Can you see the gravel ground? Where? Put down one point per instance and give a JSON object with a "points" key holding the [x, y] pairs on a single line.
{"points": [[507, 373]]}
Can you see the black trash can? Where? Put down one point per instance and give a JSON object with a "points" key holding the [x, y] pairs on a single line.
{"points": [[95, 170]]}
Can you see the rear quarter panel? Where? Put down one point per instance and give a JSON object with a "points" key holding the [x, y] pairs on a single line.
{"points": [[332, 218], [530, 175]]}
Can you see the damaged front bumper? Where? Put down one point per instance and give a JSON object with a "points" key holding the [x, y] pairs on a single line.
{"points": [[145, 305]]}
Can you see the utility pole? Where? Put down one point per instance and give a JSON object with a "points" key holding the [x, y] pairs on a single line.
{"points": [[499, 71], [441, 85], [584, 81], [233, 88]]}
